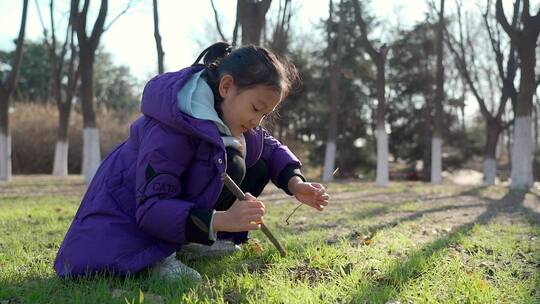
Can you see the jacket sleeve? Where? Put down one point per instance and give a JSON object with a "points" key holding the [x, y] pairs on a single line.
{"points": [[282, 163], [163, 158]]}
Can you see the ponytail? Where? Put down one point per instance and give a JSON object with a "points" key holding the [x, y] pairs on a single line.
{"points": [[213, 54]]}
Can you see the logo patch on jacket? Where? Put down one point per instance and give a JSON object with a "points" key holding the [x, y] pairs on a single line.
{"points": [[164, 185]]}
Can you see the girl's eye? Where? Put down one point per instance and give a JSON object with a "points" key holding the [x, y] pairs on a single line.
{"points": [[254, 109]]}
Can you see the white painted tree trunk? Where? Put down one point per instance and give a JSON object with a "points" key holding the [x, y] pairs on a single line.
{"points": [[5, 157], [522, 150], [91, 153], [382, 157], [329, 161], [500, 146], [436, 160], [490, 171], [60, 167]]}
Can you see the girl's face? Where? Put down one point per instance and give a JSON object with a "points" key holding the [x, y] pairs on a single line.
{"points": [[244, 110]]}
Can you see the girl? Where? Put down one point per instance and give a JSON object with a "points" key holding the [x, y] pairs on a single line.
{"points": [[161, 189]]}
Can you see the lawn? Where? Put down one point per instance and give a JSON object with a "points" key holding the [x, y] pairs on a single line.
{"points": [[407, 243]]}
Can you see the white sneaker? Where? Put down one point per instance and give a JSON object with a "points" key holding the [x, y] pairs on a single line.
{"points": [[219, 248], [171, 268]]}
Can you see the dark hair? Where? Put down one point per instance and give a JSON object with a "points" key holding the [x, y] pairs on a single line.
{"points": [[249, 66]]}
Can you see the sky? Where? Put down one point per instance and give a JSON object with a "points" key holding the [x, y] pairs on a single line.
{"points": [[186, 26]]}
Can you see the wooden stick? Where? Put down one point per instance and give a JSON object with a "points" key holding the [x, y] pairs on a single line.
{"points": [[231, 185]]}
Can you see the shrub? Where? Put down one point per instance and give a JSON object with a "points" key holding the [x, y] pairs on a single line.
{"points": [[34, 134]]}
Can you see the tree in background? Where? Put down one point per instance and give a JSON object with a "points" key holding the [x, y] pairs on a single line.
{"points": [[281, 33], [115, 86], [87, 49], [379, 59], [436, 142], [88, 45], [524, 37], [62, 91], [462, 47], [35, 70], [8, 85], [334, 55], [251, 19]]}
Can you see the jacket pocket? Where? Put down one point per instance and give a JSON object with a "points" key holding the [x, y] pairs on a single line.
{"points": [[197, 177], [123, 196]]}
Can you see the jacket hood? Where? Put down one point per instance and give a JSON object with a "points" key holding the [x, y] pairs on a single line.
{"points": [[159, 101]]}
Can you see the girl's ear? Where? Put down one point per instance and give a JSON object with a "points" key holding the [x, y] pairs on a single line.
{"points": [[225, 85]]}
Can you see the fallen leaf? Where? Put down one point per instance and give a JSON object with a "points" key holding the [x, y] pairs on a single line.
{"points": [[453, 254], [256, 246], [367, 241]]}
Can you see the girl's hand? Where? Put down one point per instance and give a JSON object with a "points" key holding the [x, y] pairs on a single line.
{"points": [[311, 194], [241, 216]]}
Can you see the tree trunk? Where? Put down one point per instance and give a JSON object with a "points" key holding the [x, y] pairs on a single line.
{"points": [[60, 166], [522, 149], [252, 18], [381, 135], [5, 138], [524, 40], [87, 50], [493, 131], [379, 59], [427, 137], [157, 37], [436, 142], [5, 94], [330, 153], [91, 144], [382, 156], [335, 75]]}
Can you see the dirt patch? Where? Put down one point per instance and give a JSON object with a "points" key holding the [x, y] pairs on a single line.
{"points": [[310, 274]]}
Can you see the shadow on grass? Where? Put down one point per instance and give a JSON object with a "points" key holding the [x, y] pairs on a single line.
{"points": [[377, 211], [103, 288], [392, 283]]}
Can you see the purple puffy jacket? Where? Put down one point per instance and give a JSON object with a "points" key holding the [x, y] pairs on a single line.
{"points": [[135, 210]]}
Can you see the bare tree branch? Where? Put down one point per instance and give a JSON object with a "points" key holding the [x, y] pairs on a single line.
{"points": [[11, 80], [512, 33], [236, 24], [130, 4], [216, 18], [363, 30], [157, 37]]}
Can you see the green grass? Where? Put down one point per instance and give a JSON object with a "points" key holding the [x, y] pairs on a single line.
{"points": [[410, 242]]}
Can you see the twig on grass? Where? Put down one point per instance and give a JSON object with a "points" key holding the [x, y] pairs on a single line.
{"points": [[300, 205]]}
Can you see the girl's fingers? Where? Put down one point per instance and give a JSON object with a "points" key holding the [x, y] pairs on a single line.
{"points": [[255, 204], [323, 196], [255, 218], [255, 211], [319, 186], [252, 226], [323, 203]]}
